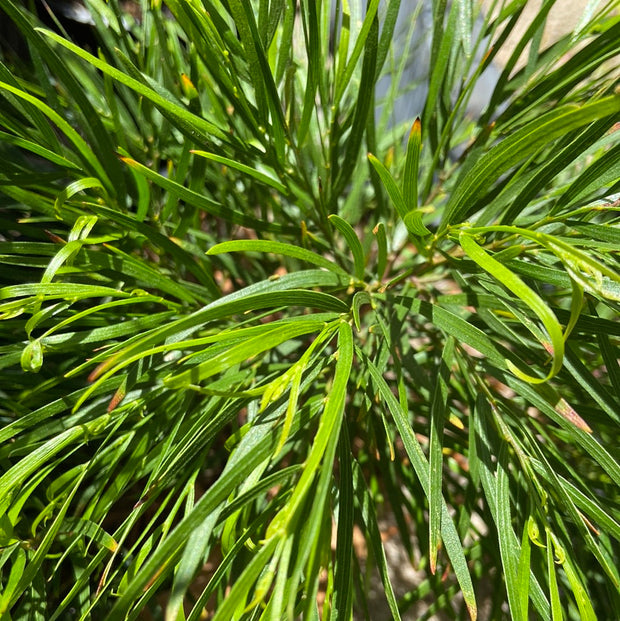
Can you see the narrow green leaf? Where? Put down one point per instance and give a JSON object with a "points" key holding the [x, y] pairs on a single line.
{"points": [[584, 603], [586, 535], [555, 345], [554, 593], [390, 185], [84, 151], [452, 543], [237, 305], [313, 46], [190, 262], [259, 245], [412, 162], [353, 242], [379, 232], [148, 276], [257, 444], [244, 499], [220, 573], [202, 202], [343, 582], [414, 224], [265, 294], [552, 408], [444, 39], [506, 535], [454, 325], [315, 535], [523, 571], [388, 24], [509, 543], [14, 477], [330, 420], [73, 188], [67, 291], [239, 592], [17, 569], [87, 116], [359, 299], [298, 369], [265, 91], [276, 608], [361, 45], [520, 145], [369, 521], [437, 421], [597, 512], [587, 271], [362, 108], [90, 529], [247, 349], [32, 356], [39, 150], [144, 192], [252, 172], [193, 123], [37, 559]]}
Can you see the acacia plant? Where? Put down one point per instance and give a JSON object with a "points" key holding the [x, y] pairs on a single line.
{"points": [[249, 313]]}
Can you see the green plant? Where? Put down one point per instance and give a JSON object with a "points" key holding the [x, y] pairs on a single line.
{"points": [[284, 337]]}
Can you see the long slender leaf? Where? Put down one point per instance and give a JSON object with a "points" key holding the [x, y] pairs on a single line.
{"points": [[520, 145]]}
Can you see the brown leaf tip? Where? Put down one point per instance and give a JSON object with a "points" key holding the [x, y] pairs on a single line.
{"points": [[564, 409], [416, 128]]}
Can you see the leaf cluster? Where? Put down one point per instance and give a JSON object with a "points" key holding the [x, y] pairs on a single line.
{"points": [[248, 314]]}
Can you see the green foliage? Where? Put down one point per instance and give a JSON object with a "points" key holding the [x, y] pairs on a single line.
{"points": [[245, 319]]}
